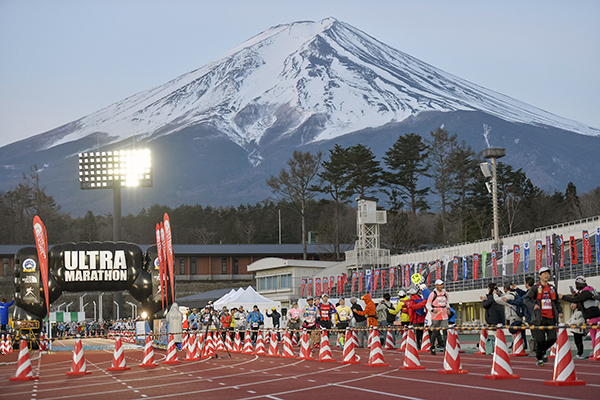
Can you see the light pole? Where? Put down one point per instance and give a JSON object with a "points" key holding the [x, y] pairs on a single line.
{"points": [[68, 306], [94, 301], [100, 307], [58, 308], [117, 304], [494, 153]]}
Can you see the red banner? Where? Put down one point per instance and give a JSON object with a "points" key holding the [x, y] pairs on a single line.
{"points": [[587, 248], [318, 287], [161, 266], [360, 283], [166, 274], [383, 279], [516, 257], [438, 269], [310, 286], [538, 255], [340, 285], [169, 253], [494, 263], [325, 286], [475, 266], [302, 287], [407, 276], [376, 279], [392, 276], [455, 268], [41, 244], [429, 274], [353, 282], [331, 282]]}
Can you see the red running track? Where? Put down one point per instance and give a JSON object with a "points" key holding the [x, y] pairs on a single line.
{"points": [[261, 377]]}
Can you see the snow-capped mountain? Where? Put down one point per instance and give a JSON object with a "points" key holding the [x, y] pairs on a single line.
{"points": [[302, 84]]}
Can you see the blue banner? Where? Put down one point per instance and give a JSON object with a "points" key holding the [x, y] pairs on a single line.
{"points": [[598, 244], [465, 268], [369, 286], [525, 257]]}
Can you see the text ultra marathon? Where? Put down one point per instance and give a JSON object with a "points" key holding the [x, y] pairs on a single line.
{"points": [[95, 265]]}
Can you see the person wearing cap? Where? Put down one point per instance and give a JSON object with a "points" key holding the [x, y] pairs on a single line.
{"points": [[546, 311], [326, 312], [360, 322], [437, 305], [585, 297], [309, 315], [193, 319], [386, 315], [255, 319], [275, 316], [293, 319], [226, 320], [416, 310]]}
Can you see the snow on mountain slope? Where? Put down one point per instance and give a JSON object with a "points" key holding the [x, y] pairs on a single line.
{"points": [[289, 73]]}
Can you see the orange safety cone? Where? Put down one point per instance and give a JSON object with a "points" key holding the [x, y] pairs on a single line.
{"points": [[349, 355], [295, 339], [220, 346], [325, 350], [288, 350], [518, 349], [259, 350], [389, 341], [376, 354], [273, 345], [247, 344], [78, 365], [305, 347], [228, 342], [171, 352], [237, 343], [8, 345], [148, 360], [184, 343], [460, 350], [411, 355], [594, 356], [404, 338], [425, 343], [208, 350], [452, 364], [24, 372], [118, 362], [191, 351], [2, 346], [564, 367], [483, 337], [501, 368]]}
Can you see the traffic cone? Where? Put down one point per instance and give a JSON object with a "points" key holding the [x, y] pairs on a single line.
{"points": [[483, 337], [376, 354], [2, 346], [594, 356], [349, 356], [191, 351], [171, 352], [260, 346], [372, 337], [237, 343], [148, 360], [411, 355], [404, 338], [24, 372], [518, 349], [8, 345], [288, 350], [389, 341], [305, 347], [426, 343], [118, 362], [460, 350], [273, 345], [452, 364], [184, 343], [501, 368], [78, 365], [199, 345], [295, 339], [552, 351], [208, 349], [219, 342], [564, 368], [247, 344], [325, 350]]}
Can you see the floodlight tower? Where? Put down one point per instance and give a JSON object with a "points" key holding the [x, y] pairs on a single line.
{"points": [[115, 170], [494, 153]]}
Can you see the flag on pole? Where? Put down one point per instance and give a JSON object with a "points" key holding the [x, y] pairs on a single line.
{"points": [[161, 266], [302, 287], [475, 266], [310, 286], [360, 281], [318, 287], [504, 257], [392, 276], [41, 244], [549, 252], [169, 254], [494, 263], [368, 278], [383, 279], [438, 269], [376, 279], [455, 268], [562, 251], [325, 286], [587, 248], [598, 244], [483, 263], [166, 274], [516, 257], [465, 267], [526, 251], [331, 282], [538, 255]]}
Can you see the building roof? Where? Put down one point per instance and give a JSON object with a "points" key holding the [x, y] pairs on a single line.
{"points": [[274, 262]]}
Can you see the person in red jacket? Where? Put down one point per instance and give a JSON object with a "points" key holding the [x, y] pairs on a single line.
{"points": [[370, 311], [416, 313]]}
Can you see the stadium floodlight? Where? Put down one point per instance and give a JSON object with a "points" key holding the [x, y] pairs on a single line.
{"points": [[115, 169], [485, 169]]}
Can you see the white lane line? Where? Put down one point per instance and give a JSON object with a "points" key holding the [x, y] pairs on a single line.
{"points": [[376, 392]]}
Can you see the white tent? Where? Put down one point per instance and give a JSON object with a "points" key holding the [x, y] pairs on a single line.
{"points": [[250, 298], [224, 298]]}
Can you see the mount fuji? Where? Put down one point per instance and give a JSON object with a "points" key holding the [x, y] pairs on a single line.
{"points": [[217, 132]]}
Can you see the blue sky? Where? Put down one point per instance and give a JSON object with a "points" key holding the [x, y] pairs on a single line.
{"points": [[63, 59]]}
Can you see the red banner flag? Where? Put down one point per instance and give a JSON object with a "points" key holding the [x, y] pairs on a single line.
{"points": [[516, 257], [587, 248], [438, 269], [41, 244], [475, 266], [360, 283], [325, 286], [392, 276], [310, 285], [302, 287], [353, 281], [538, 254], [573, 247], [163, 239], [340, 285], [376, 279], [169, 253], [161, 266], [494, 263], [455, 267], [383, 279], [318, 287], [407, 276], [429, 273], [331, 282]]}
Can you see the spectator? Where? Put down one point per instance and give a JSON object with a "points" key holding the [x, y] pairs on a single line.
{"points": [[416, 311], [370, 311], [494, 312], [360, 322], [193, 319], [255, 320], [522, 309], [577, 318], [275, 316], [4, 313], [293, 319], [240, 317], [547, 311], [437, 304], [386, 315]]}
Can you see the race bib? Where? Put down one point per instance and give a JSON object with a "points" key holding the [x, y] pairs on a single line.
{"points": [[546, 304], [441, 301], [343, 315]]}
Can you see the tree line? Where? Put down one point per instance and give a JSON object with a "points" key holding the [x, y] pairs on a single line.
{"points": [[432, 188]]}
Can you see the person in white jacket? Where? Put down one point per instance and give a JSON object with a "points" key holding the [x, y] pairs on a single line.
{"points": [[578, 333]]}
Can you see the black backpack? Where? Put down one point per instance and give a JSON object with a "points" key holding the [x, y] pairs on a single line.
{"points": [[389, 316]]}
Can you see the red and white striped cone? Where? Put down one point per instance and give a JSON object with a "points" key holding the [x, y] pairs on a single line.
{"points": [[553, 351], [325, 350], [171, 352], [373, 337], [3, 349], [24, 372], [411, 355], [220, 346], [305, 347], [288, 350], [452, 364], [376, 354], [501, 368], [404, 339], [483, 337], [389, 341], [78, 365], [259, 350], [228, 342], [237, 343], [8, 345], [518, 349], [247, 344], [192, 352], [594, 356], [208, 350], [355, 338], [425, 343], [199, 344], [118, 362], [564, 367], [349, 355], [295, 339], [148, 360], [184, 343], [460, 350], [273, 345]]}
